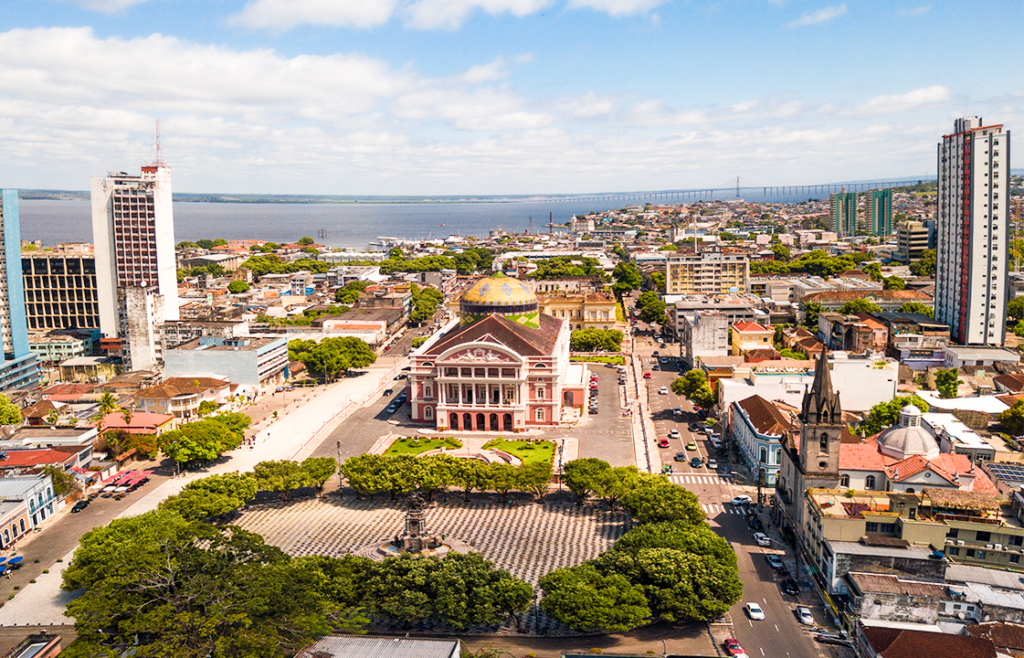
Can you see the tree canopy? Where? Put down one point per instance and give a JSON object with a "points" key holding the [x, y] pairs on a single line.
{"points": [[886, 414], [205, 439], [947, 383], [595, 340], [855, 306], [1013, 418], [10, 414], [916, 307], [238, 286], [333, 356], [925, 265]]}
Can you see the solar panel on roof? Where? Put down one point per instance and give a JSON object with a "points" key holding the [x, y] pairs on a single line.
{"points": [[1007, 472]]}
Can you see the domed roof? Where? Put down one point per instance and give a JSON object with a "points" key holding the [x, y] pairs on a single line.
{"points": [[499, 290], [908, 437]]}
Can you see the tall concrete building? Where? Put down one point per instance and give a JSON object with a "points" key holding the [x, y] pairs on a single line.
{"points": [[844, 213], [18, 367], [133, 229], [879, 203], [972, 252], [706, 273], [60, 288]]}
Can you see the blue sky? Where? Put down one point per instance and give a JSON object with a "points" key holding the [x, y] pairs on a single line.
{"points": [[425, 97]]}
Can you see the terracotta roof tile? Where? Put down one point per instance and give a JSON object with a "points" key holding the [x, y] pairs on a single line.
{"points": [[1002, 634], [750, 326], [765, 416], [901, 643], [499, 329]]}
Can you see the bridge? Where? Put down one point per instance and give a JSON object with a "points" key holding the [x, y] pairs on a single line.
{"points": [[736, 188]]}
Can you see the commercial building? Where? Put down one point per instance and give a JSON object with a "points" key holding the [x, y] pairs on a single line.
{"points": [[703, 334], [706, 273], [136, 274], [594, 310], [18, 367], [972, 255], [256, 363], [60, 289], [844, 213], [879, 203], [757, 426], [912, 238]]}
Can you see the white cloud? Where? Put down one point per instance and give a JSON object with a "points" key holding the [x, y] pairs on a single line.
{"points": [[450, 14], [284, 14], [912, 100], [822, 15], [916, 11], [105, 6], [617, 7]]}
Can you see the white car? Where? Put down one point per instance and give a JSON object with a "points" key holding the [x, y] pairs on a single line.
{"points": [[673, 433], [754, 611], [803, 613], [740, 500], [663, 391], [712, 464], [762, 539]]}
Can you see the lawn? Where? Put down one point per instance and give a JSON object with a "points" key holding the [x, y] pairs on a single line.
{"points": [[411, 445], [528, 451], [620, 360]]}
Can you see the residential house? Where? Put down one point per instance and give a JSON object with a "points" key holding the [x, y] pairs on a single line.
{"points": [[747, 336], [182, 396], [757, 426]]}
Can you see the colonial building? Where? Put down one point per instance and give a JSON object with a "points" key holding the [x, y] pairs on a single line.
{"points": [[595, 310], [504, 368]]}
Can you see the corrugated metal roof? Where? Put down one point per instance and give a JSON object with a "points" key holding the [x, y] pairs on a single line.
{"points": [[337, 646]]}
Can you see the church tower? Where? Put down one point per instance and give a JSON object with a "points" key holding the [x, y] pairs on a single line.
{"points": [[821, 428]]}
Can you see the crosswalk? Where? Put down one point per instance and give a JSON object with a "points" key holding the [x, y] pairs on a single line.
{"points": [[712, 509], [684, 478]]}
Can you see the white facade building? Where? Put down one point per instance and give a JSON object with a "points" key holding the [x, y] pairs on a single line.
{"points": [[136, 272], [973, 197]]}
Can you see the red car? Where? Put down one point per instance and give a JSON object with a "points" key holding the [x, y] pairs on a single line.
{"points": [[733, 647], [663, 443], [647, 375]]}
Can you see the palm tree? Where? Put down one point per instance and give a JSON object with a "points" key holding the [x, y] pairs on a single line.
{"points": [[107, 405]]}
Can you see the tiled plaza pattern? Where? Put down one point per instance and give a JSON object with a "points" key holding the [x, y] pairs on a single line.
{"points": [[528, 540]]}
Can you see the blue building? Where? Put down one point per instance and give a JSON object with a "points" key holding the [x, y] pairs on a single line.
{"points": [[18, 367], [757, 426]]}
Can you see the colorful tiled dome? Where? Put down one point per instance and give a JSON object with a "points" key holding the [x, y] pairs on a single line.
{"points": [[502, 295]]}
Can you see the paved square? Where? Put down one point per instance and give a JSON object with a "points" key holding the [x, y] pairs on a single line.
{"points": [[528, 540]]}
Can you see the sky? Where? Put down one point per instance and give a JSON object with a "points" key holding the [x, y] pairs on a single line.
{"points": [[491, 97]]}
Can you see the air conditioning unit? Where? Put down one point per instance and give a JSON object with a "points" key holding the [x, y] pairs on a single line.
{"points": [[988, 546], [959, 542], [949, 541], [999, 547]]}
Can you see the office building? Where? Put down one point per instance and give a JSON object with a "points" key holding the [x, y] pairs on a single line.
{"points": [[133, 230], [706, 273], [18, 367], [972, 254], [912, 238], [60, 289], [879, 203], [844, 213]]}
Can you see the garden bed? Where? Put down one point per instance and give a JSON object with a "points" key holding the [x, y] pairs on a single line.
{"points": [[528, 451], [412, 445]]}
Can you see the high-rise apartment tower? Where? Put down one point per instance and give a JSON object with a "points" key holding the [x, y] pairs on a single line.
{"points": [[18, 367], [844, 213], [133, 229], [972, 251], [879, 203]]}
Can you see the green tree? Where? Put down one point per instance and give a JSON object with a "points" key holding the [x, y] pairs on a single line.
{"points": [[334, 356], [886, 414], [238, 286], [627, 275], [581, 476], [534, 477], [365, 474], [688, 384], [916, 307], [283, 476], [584, 599], [435, 472], [611, 484], [1015, 308], [646, 298], [658, 279], [319, 470], [1013, 418], [660, 501], [107, 405], [200, 440], [781, 252], [299, 346], [212, 496], [654, 313], [595, 340], [811, 311], [893, 283], [64, 483], [790, 354], [349, 293], [947, 383], [469, 476], [873, 270], [501, 478], [52, 416], [925, 265], [855, 306], [305, 241], [207, 407]]}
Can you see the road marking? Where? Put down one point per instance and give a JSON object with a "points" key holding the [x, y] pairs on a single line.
{"points": [[762, 650], [777, 628]]}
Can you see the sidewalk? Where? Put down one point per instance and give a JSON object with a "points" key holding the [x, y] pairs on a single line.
{"points": [[292, 436]]}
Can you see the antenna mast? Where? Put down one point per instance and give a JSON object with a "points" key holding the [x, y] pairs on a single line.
{"points": [[159, 160]]}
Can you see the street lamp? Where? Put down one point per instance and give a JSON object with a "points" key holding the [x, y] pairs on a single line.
{"points": [[340, 477], [761, 473]]}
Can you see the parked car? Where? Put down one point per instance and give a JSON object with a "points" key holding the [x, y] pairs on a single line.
{"points": [[740, 500], [391, 408], [663, 391], [79, 506], [712, 463], [680, 457], [389, 391], [678, 411], [647, 375], [790, 587], [756, 524], [803, 613], [733, 647], [655, 367], [841, 639], [593, 410], [694, 427], [663, 443], [696, 462], [663, 359], [656, 352], [754, 611], [774, 561], [663, 346], [762, 539]]}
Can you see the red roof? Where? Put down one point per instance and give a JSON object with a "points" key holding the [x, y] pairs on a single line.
{"points": [[900, 643], [30, 458], [750, 326], [143, 422]]}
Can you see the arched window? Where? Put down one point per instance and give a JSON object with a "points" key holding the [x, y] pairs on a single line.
{"points": [[21, 522], [428, 413], [540, 415], [844, 480], [869, 482], [910, 490], [823, 445]]}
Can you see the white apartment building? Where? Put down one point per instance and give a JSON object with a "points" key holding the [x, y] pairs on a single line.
{"points": [[972, 253], [706, 273], [133, 230]]}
